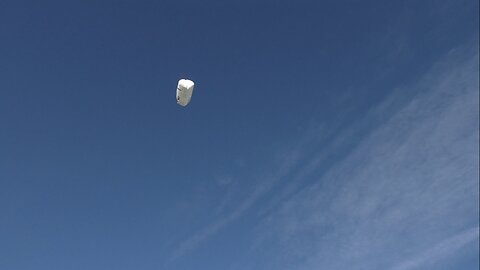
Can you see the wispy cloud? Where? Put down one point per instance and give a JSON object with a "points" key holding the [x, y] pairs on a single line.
{"points": [[408, 185], [441, 250], [285, 164]]}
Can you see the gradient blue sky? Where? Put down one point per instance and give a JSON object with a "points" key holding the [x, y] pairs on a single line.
{"points": [[321, 135]]}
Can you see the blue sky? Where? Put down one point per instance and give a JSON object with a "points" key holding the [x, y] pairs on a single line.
{"points": [[329, 135]]}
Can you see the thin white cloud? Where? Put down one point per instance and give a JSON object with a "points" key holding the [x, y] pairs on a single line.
{"points": [[441, 250], [410, 184], [285, 165]]}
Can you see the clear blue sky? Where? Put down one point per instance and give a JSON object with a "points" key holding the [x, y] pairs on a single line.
{"points": [[321, 135]]}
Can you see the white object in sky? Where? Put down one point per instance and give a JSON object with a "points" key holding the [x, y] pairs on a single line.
{"points": [[184, 91]]}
